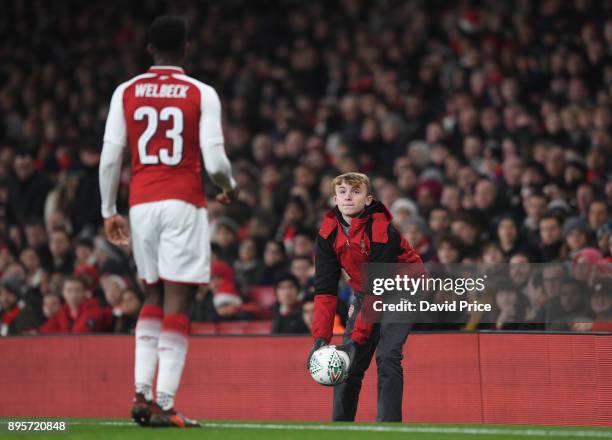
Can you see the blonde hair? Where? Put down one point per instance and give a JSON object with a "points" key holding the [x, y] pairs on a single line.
{"points": [[352, 179]]}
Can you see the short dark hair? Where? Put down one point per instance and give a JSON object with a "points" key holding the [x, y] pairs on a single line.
{"points": [[168, 33], [287, 277], [74, 279], [549, 216]]}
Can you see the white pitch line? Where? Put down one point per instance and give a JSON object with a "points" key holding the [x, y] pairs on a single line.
{"points": [[533, 432]]}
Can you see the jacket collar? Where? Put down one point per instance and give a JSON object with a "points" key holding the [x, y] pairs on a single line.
{"points": [[375, 209]]}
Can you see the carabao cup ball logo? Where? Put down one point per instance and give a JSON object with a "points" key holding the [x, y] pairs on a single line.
{"points": [[328, 366]]}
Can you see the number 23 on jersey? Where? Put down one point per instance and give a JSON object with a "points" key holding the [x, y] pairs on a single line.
{"points": [[173, 134]]}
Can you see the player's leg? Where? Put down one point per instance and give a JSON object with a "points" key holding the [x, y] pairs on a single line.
{"points": [[173, 341], [148, 327], [390, 372], [346, 395], [147, 333], [184, 263]]}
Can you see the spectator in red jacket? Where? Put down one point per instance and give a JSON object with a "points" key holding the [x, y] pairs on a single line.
{"points": [[78, 314]]}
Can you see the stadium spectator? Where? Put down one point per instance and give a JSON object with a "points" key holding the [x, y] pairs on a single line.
{"points": [[248, 267], [79, 314], [61, 251], [225, 237], [568, 307], [308, 310], [16, 315], [550, 238], [288, 314], [52, 304], [127, 316], [27, 189], [496, 122], [510, 307], [303, 270]]}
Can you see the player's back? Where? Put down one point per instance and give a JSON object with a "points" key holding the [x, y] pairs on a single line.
{"points": [[162, 110]]}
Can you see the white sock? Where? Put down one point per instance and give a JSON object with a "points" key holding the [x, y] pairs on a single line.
{"points": [[165, 401], [147, 339], [172, 351]]}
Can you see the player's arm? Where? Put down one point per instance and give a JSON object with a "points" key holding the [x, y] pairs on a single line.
{"points": [[212, 145], [115, 139]]}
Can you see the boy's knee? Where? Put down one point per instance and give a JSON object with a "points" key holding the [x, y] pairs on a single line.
{"points": [[389, 358]]}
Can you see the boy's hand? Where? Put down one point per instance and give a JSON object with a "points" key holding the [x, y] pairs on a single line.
{"points": [[318, 343], [350, 348]]}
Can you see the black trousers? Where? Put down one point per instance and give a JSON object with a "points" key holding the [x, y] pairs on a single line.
{"points": [[387, 341]]}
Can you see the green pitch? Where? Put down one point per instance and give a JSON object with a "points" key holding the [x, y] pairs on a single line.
{"points": [[102, 429]]}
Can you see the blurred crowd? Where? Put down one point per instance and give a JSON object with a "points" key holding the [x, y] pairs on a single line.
{"points": [[485, 127]]}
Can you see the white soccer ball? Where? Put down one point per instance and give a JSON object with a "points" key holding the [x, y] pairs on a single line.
{"points": [[329, 366]]}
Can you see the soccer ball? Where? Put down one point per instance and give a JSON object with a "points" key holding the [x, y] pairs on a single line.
{"points": [[329, 366]]}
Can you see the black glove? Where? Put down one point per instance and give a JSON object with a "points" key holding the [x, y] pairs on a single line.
{"points": [[350, 348], [318, 343]]}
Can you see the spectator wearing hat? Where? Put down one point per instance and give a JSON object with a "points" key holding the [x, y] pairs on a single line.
{"points": [[402, 209], [91, 278], [226, 300], [585, 263], [575, 237], [16, 316], [428, 193], [288, 314], [415, 230]]}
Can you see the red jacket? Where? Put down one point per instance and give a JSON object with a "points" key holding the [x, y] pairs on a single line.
{"points": [[91, 318], [371, 238]]}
